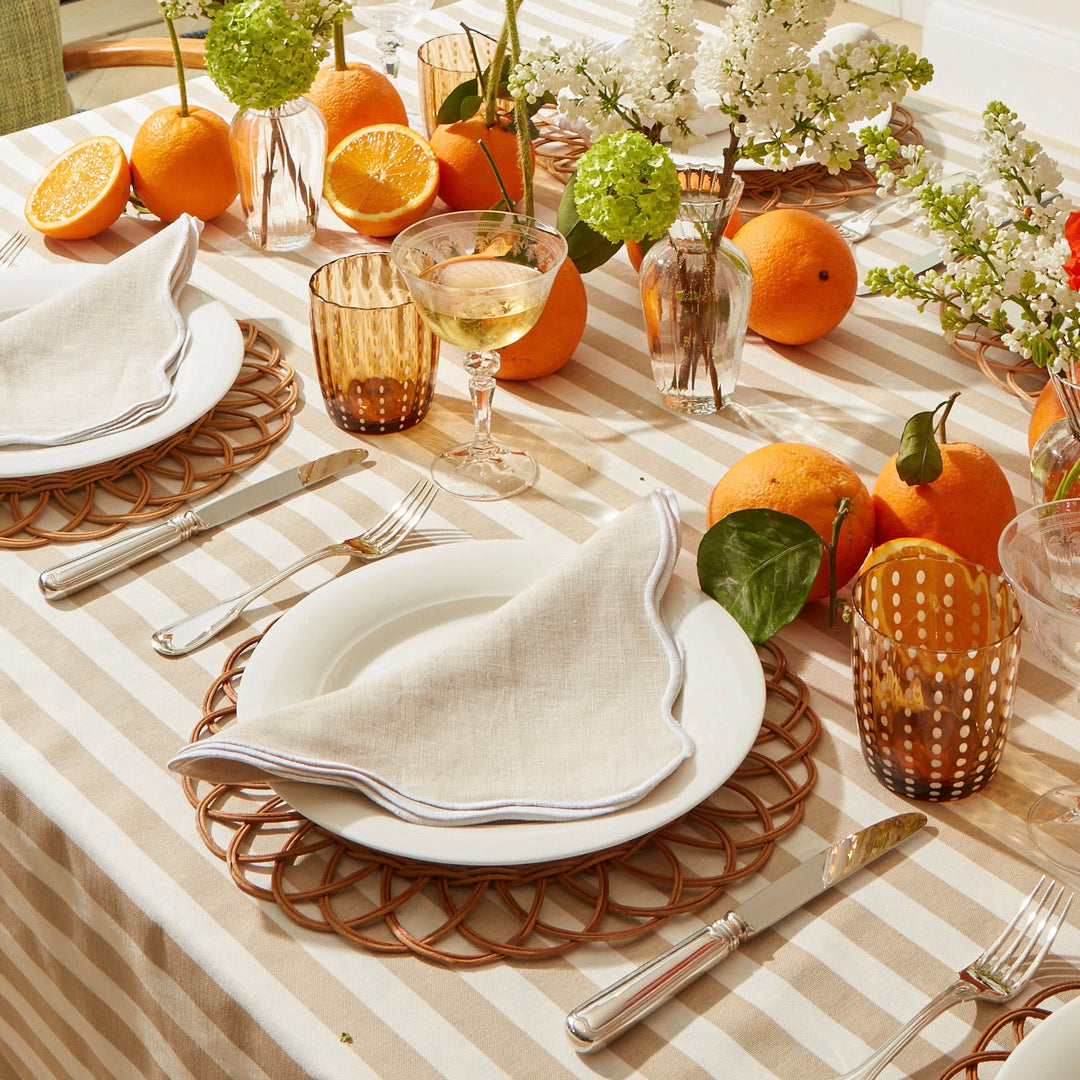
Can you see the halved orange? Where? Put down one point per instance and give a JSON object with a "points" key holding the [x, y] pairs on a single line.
{"points": [[81, 192], [906, 545], [381, 179]]}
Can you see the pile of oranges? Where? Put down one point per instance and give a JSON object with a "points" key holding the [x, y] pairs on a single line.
{"points": [[963, 512]]}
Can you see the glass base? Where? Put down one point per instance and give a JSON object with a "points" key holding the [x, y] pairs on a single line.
{"points": [[1054, 825], [484, 473], [687, 403]]}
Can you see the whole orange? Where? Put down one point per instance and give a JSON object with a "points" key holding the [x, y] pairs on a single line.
{"points": [[804, 275], [182, 164], [635, 254], [808, 483], [354, 98], [1048, 410], [556, 334], [466, 180], [82, 191], [965, 508]]}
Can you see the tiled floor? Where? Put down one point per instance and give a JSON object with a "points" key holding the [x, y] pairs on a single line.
{"points": [[83, 19]]}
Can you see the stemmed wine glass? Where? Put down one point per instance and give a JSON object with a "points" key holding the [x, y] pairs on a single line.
{"points": [[389, 18], [480, 279], [1040, 555]]}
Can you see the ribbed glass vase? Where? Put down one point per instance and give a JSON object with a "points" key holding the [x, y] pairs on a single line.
{"points": [[279, 155], [695, 296], [1055, 458]]}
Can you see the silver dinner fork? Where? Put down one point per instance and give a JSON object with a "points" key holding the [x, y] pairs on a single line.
{"points": [[1000, 973], [856, 227], [11, 247], [190, 632]]}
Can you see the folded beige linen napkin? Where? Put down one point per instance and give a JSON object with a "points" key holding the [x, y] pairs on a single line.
{"points": [[556, 706], [101, 355]]}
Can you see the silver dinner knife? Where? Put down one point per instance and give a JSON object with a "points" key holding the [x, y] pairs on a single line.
{"points": [[917, 266], [608, 1014], [68, 577]]}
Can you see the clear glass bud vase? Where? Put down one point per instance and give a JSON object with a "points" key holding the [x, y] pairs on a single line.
{"points": [[1055, 458], [695, 296], [279, 155]]}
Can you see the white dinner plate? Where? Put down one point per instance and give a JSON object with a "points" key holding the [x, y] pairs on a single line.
{"points": [[378, 613], [1051, 1051], [215, 351]]}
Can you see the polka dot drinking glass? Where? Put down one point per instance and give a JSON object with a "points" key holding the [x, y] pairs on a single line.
{"points": [[935, 652]]}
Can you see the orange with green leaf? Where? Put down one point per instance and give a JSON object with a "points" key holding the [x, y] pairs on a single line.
{"points": [[954, 493]]}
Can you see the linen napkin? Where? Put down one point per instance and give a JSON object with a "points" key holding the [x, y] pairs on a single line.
{"points": [[101, 355], [556, 706]]}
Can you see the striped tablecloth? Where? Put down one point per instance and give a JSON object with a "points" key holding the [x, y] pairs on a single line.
{"points": [[126, 950]]}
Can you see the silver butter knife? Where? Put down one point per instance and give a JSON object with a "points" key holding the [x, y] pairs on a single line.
{"points": [[68, 577], [608, 1014], [917, 266]]}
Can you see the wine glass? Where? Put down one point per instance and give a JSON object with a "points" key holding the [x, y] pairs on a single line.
{"points": [[480, 279], [1040, 555], [389, 18]]}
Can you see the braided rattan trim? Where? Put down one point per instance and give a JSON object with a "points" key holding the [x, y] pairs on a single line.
{"points": [[95, 502], [1004, 368], [469, 916], [1006, 1032], [557, 151]]}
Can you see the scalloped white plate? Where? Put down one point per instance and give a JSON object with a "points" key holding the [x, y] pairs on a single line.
{"points": [[1051, 1051]]}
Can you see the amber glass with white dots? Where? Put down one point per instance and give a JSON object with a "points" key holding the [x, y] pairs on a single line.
{"points": [[935, 652]]}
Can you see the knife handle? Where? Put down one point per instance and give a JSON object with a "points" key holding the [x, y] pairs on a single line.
{"points": [[68, 577], [608, 1014]]}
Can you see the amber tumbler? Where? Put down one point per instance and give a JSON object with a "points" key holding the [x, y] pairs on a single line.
{"points": [[376, 358], [935, 652], [443, 64]]}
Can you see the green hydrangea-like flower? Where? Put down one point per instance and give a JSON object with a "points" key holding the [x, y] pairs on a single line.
{"points": [[258, 56], [627, 188]]}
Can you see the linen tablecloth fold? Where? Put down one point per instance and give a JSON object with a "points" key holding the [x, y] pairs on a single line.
{"points": [[101, 355], [556, 706]]}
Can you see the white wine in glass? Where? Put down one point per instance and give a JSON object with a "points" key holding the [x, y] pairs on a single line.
{"points": [[480, 280]]}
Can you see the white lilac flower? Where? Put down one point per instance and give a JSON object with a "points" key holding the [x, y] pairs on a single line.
{"points": [[1003, 239]]}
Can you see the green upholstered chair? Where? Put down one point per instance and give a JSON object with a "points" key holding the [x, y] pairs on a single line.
{"points": [[33, 89]]}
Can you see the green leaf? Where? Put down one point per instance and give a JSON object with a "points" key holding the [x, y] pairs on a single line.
{"points": [[760, 565], [918, 460], [586, 248], [461, 103]]}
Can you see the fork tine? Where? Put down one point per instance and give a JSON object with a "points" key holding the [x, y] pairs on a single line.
{"points": [[1046, 933], [408, 521], [387, 529], [12, 246], [991, 951]]}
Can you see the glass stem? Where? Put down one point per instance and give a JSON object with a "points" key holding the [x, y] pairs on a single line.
{"points": [[481, 367]]}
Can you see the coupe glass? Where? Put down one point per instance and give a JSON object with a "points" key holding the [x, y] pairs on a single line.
{"points": [[1040, 554], [480, 279], [389, 18]]}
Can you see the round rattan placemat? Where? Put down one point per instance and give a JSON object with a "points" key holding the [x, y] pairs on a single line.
{"points": [[557, 151], [468, 916], [92, 503], [1007, 1031], [1005, 369]]}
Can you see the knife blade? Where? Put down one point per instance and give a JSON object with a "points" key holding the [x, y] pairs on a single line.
{"points": [[917, 266], [74, 574], [610, 1012]]}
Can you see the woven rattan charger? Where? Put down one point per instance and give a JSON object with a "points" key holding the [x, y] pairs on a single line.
{"points": [[95, 502], [468, 916], [1007, 1031]]}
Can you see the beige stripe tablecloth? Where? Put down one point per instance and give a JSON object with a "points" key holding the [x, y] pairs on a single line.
{"points": [[125, 948]]}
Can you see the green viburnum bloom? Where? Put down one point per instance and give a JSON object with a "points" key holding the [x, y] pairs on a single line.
{"points": [[258, 56], [627, 188]]}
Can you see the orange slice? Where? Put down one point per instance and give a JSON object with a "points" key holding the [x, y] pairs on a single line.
{"points": [[381, 179], [906, 545], [81, 192]]}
